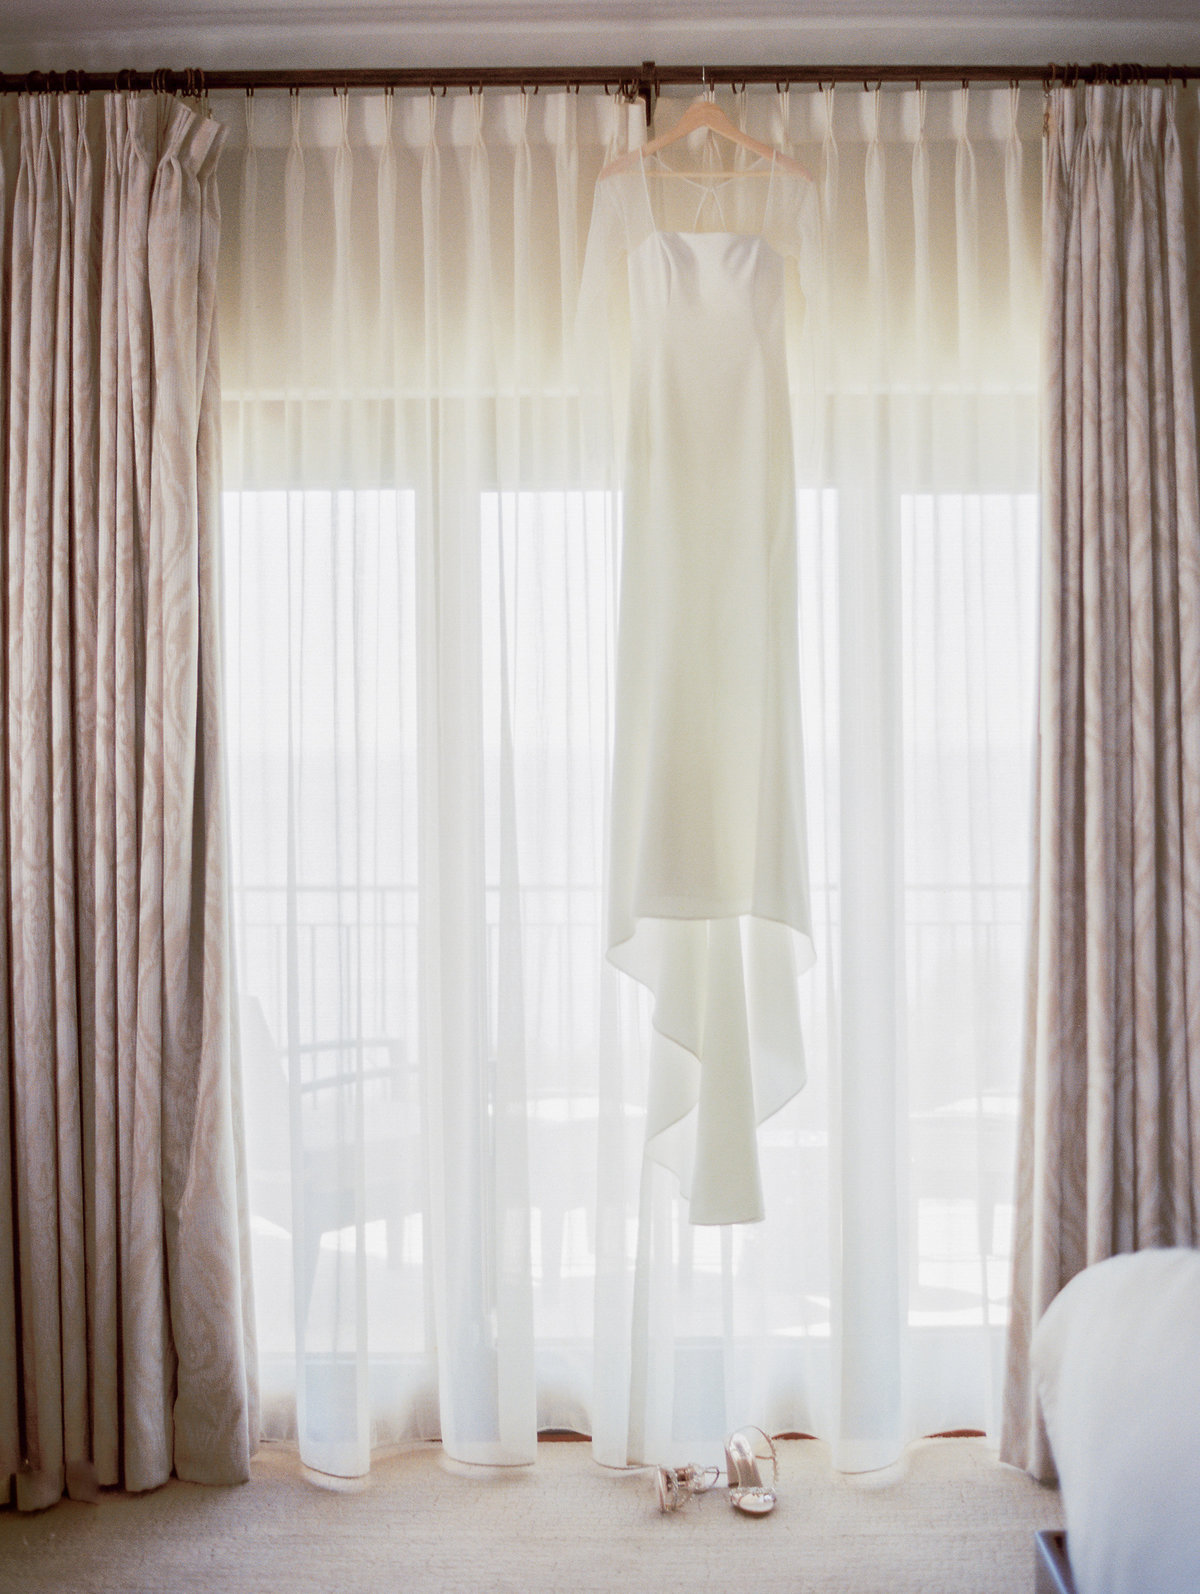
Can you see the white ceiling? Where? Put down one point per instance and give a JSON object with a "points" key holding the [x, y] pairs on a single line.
{"points": [[108, 34]]}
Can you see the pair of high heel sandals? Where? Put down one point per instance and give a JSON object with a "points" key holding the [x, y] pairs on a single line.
{"points": [[747, 1492]]}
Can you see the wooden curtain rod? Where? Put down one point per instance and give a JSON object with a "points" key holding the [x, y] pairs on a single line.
{"points": [[643, 82]]}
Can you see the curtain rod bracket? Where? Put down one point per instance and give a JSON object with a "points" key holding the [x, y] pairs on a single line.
{"points": [[645, 88]]}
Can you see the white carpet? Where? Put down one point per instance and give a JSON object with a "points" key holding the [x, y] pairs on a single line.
{"points": [[948, 1520]]}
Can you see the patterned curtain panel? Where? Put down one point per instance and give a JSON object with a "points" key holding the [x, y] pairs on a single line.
{"points": [[124, 1347], [1110, 1131]]}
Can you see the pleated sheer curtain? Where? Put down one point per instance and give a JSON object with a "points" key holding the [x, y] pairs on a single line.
{"points": [[455, 1235]]}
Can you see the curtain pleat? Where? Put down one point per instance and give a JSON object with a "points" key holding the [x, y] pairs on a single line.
{"points": [[454, 1231], [133, 1352], [1111, 1091]]}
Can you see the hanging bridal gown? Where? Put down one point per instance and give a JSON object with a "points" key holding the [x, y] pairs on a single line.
{"points": [[708, 883]]}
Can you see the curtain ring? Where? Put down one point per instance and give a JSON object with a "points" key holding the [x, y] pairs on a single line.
{"points": [[783, 95]]}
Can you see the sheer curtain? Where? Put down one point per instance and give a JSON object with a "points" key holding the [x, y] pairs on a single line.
{"points": [[455, 1234]]}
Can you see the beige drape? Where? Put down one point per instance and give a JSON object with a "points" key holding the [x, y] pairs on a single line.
{"points": [[1110, 1133], [124, 1329]]}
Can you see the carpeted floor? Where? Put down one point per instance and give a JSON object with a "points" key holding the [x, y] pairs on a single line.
{"points": [[948, 1520]]}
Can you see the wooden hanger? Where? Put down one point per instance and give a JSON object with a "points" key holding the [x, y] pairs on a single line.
{"points": [[705, 113]]}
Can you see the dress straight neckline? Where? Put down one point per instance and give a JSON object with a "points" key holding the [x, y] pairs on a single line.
{"points": [[711, 185]]}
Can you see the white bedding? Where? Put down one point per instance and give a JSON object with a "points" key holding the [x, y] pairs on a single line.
{"points": [[1117, 1364]]}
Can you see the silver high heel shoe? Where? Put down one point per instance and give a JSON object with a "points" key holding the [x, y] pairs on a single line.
{"points": [[676, 1485], [746, 1489]]}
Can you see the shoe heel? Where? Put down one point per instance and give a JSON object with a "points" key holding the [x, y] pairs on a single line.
{"points": [[667, 1485]]}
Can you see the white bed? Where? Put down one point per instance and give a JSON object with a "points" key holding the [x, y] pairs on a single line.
{"points": [[1117, 1364]]}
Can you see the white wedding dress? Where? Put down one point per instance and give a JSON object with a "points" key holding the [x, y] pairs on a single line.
{"points": [[708, 899]]}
